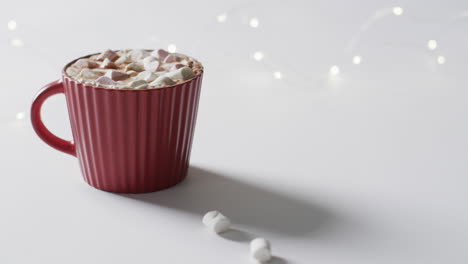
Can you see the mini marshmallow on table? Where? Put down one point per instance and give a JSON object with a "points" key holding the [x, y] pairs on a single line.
{"points": [[260, 249], [216, 221]]}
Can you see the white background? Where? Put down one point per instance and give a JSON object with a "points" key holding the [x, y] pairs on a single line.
{"points": [[369, 166]]}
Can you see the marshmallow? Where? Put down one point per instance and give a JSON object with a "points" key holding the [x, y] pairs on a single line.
{"points": [[260, 249], [117, 75], [149, 59], [85, 63], [216, 221], [162, 54], [88, 74], [151, 63], [132, 73], [108, 54], [148, 76], [171, 58], [152, 66], [167, 66], [138, 84], [161, 81], [108, 64], [123, 59], [100, 71], [183, 73], [123, 68], [138, 54], [73, 71], [134, 67], [104, 80], [177, 66]]}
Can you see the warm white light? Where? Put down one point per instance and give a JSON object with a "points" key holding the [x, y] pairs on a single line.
{"points": [[278, 75], [171, 48], [441, 59], [334, 70], [254, 22], [20, 115], [16, 42], [432, 44], [12, 25], [258, 55], [397, 11], [222, 18], [357, 59]]}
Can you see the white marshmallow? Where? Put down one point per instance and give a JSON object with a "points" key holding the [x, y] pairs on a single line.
{"points": [[149, 59], [117, 75], [138, 84], [105, 81], [124, 58], [132, 73], [72, 71], [161, 54], [183, 73], [138, 54], [143, 86], [260, 249], [148, 76], [216, 221], [171, 58], [152, 66], [134, 67], [88, 74], [161, 81], [177, 66]]}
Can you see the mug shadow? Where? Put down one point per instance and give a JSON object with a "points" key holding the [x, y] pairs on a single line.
{"points": [[244, 203]]}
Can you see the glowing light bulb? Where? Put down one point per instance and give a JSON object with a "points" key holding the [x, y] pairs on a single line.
{"points": [[258, 56], [254, 22], [334, 70], [357, 59], [171, 48], [20, 115], [397, 11], [441, 60], [432, 44], [16, 42], [277, 75], [12, 25], [222, 18]]}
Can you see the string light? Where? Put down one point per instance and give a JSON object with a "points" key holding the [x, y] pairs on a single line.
{"points": [[171, 48], [20, 115], [397, 11], [12, 25], [277, 75], [432, 44], [334, 70], [441, 60], [258, 56], [357, 59], [254, 22], [222, 18], [16, 42]]}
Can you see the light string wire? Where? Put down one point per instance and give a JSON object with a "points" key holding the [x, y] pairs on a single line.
{"points": [[277, 69]]}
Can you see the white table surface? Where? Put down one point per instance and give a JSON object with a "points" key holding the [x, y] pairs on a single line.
{"points": [[369, 166]]}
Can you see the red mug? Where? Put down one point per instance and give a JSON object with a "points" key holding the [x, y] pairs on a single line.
{"points": [[126, 141]]}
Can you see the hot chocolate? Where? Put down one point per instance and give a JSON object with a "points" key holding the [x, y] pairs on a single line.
{"points": [[134, 69]]}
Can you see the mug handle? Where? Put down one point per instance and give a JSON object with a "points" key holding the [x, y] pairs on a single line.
{"points": [[36, 120]]}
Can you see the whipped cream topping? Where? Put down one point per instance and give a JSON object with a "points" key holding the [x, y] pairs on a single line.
{"points": [[134, 69]]}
